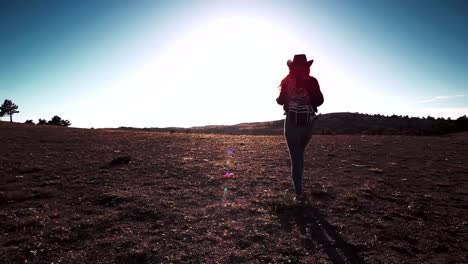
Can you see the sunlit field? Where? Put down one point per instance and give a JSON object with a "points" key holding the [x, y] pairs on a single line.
{"points": [[101, 196]]}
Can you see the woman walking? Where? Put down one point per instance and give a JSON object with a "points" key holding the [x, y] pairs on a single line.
{"points": [[300, 96]]}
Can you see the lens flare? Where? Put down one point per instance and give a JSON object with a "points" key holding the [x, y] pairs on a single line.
{"points": [[228, 174], [230, 151]]}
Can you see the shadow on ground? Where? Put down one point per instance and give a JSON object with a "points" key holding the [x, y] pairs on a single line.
{"points": [[317, 233]]}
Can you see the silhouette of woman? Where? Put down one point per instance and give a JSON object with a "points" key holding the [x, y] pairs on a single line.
{"points": [[300, 96]]}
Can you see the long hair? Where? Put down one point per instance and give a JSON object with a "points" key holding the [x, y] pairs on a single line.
{"points": [[286, 80], [290, 79]]}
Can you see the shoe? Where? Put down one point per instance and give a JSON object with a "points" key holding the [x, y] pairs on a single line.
{"points": [[300, 198]]}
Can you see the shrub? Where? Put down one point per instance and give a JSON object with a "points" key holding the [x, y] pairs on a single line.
{"points": [[58, 121]]}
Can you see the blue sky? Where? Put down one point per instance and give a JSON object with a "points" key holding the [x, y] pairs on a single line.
{"points": [[187, 63]]}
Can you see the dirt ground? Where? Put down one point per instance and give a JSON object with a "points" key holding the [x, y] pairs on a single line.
{"points": [[101, 196]]}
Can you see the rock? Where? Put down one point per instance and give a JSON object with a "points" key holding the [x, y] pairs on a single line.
{"points": [[121, 160], [376, 170]]}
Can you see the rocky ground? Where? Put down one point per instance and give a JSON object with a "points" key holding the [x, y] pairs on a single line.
{"points": [[101, 196]]}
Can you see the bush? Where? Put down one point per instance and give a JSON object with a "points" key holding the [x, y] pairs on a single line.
{"points": [[58, 121], [29, 121], [42, 122]]}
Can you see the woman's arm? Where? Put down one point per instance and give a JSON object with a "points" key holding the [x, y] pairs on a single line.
{"points": [[316, 96], [281, 100]]}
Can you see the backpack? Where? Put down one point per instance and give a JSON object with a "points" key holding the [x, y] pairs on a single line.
{"points": [[313, 88]]}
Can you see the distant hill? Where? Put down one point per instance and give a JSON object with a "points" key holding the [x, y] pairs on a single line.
{"points": [[338, 123]]}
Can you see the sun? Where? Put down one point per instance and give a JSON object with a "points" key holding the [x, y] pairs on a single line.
{"points": [[241, 46], [227, 64]]}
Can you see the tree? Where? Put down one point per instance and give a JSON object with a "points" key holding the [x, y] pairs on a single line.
{"points": [[58, 121], [66, 123], [8, 108], [29, 121], [42, 122], [462, 123]]}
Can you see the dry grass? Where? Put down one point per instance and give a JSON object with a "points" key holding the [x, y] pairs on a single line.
{"points": [[63, 199]]}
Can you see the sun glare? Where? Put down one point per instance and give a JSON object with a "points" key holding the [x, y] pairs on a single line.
{"points": [[227, 47], [227, 60]]}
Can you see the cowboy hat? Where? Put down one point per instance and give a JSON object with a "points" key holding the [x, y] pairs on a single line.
{"points": [[299, 59]]}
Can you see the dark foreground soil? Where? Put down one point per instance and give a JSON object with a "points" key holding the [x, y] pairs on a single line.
{"points": [[100, 196]]}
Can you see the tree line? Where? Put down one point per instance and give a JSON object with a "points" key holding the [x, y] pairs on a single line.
{"points": [[367, 124], [9, 108]]}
